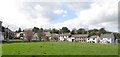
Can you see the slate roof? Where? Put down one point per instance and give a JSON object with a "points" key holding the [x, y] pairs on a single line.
{"points": [[55, 35], [93, 36], [107, 36], [47, 33], [67, 34], [80, 35]]}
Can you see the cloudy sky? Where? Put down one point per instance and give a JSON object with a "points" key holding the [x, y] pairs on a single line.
{"points": [[61, 13]]}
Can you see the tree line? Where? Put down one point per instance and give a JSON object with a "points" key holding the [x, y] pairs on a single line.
{"points": [[64, 30]]}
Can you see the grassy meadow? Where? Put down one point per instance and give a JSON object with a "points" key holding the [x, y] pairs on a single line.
{"points": [[58, 48]]}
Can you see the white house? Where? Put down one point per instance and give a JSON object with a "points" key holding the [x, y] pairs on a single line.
{"points": [[35, 37], [64, 37], [54, 37], [79, 37], [19, 35], [93, 39], [71, 39], [107, 39]]}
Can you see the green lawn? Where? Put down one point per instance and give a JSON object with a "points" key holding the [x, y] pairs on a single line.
{"points": [[0, 49], [58, 48]]}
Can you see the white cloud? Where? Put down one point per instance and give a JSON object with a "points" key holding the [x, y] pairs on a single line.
{"points": [[10, 15], [100, 13], [14, 17]]}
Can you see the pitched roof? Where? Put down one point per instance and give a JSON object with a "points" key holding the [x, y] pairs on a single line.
{"points": [[67, 34], [47, 33], [107, 36], [80, 35], [93, 36], [55, 35]]}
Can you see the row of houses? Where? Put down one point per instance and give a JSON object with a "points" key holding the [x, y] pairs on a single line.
{"points": [[83, 38]]}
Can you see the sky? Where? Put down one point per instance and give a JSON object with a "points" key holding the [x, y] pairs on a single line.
{"points": [[88, 14]]}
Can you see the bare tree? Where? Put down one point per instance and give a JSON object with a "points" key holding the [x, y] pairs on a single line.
{"points": [[28, 35], [41, 35]]}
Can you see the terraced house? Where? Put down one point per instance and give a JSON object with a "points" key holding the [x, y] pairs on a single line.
{"points": [[80, 37], [64, 37], [107, 38], [73, 38], [6, 34], [84, 38], [93, 39]]}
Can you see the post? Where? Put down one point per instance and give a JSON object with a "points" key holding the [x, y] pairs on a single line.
{"points": [[0, 25], [1, 35], [1, 38]]}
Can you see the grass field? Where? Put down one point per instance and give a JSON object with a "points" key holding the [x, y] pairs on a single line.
{"points": [[58, 48]]}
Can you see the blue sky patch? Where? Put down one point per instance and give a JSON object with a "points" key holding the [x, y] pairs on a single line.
{"points": [[67, 15]]}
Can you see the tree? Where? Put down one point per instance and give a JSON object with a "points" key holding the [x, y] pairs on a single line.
{"points": [[41, 29], [54, 31], [6, 36], [98, 33], [28, 35], [19, 30], [35, 29], [102, 30], [95, 30], [74, 31], [40, 34], [3, 29], [117, 35], [81, 31], [64, 30]]}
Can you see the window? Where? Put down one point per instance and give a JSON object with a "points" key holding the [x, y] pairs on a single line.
{"points": [[108, 42], [88, 38], [84, 41], [93, 38], [79, 40]]}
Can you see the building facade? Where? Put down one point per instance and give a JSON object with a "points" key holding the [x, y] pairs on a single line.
{"points": [[93, 39], [107, 39], [80, 37], [64, 37]]}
